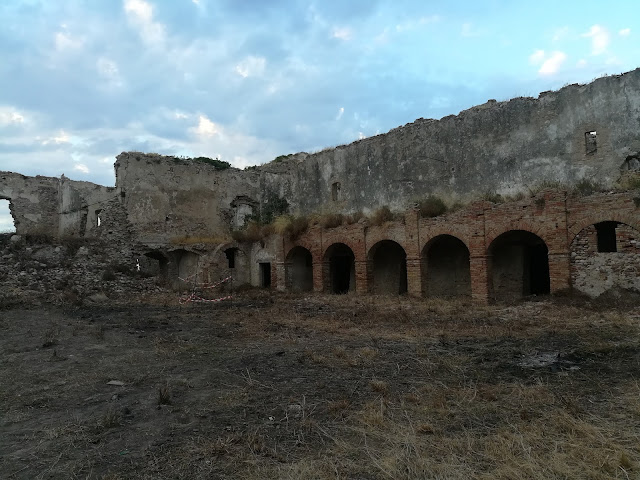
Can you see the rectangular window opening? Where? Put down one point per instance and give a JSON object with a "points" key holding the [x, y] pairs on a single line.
{"points": [[335, 191], [590, 142], [606, 233]]}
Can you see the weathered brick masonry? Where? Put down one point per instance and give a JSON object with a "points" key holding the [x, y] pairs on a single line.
{"points": [[562, 223]]}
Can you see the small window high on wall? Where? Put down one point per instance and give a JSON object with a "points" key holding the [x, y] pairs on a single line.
{"points": [[335, 191], [590, 142], [606, 233], [6, 220]]}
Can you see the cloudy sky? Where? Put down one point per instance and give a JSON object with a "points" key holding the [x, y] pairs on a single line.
{"points": [[247, 80]]}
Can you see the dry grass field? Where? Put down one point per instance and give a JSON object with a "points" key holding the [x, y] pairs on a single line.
{"points": [[321, 387]]}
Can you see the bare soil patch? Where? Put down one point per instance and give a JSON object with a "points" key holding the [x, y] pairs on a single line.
{"points": [[282, 386]]}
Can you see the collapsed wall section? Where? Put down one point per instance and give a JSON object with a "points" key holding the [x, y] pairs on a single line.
{"points": [[170, 199]]}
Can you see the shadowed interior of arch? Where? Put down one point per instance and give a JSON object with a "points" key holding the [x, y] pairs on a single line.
{"points": [[154, 263], [445, 267], [340, 272], [388, 263], [299, 270], [519, 265]]}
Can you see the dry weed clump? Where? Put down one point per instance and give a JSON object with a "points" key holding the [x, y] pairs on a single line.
{"points": [[253, 232], [330, 220], [354, 217], [204, 239], [381, 216], [431, 206], [290, 226]]}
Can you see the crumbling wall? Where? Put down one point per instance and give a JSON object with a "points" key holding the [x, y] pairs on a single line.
{"points": [[33, 202], [581, 131], [594, 272], [168, 199], [80, 204]]}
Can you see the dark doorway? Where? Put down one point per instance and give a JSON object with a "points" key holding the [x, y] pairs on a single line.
{"points": [[341, 268], [230, 253], [519, 265], [445, 267], [606, 235], [154, 264], [265, 275], [389, 263]]}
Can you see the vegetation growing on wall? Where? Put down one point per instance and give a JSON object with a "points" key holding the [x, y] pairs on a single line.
{"points": [[382, 215], [431, 206], [214, 162], [290, 226]]}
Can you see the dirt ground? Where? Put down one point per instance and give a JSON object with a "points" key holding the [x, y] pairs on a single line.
{"points": [[306, 387]]}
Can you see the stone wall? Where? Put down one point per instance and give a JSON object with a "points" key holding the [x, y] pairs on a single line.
{"points": [[175, 216], [503, 147]]}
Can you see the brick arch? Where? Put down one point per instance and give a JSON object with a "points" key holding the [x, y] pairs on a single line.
{"points": [[387, 267], [298, 271], [445, 267], [625, 218], [450, 233], [338, 270], [306, 245], [371, 251], [344, 241], [530, 227], [520, 269], [288, 255]]}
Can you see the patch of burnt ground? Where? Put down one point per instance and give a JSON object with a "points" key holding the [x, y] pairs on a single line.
{"points": [[283, 386]]}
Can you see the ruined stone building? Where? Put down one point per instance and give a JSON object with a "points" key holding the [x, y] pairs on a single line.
{"points": [[176, 216]]}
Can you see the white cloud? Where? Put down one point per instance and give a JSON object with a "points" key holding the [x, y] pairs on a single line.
{"points": [[552, 63], [206, 128], [340, 113], [581, 63], [9, 116], [140, 14], [60, 139], [251, 67], [599, 39], [537, 57], [625, 32], [65, 41], [342, 33], [81, 167], [179, 115]]}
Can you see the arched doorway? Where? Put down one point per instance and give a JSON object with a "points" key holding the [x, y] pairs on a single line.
{"points": [[445, 267], [519, 265], [388, 268], [340, 269], [299, 270], [185, 264]]}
